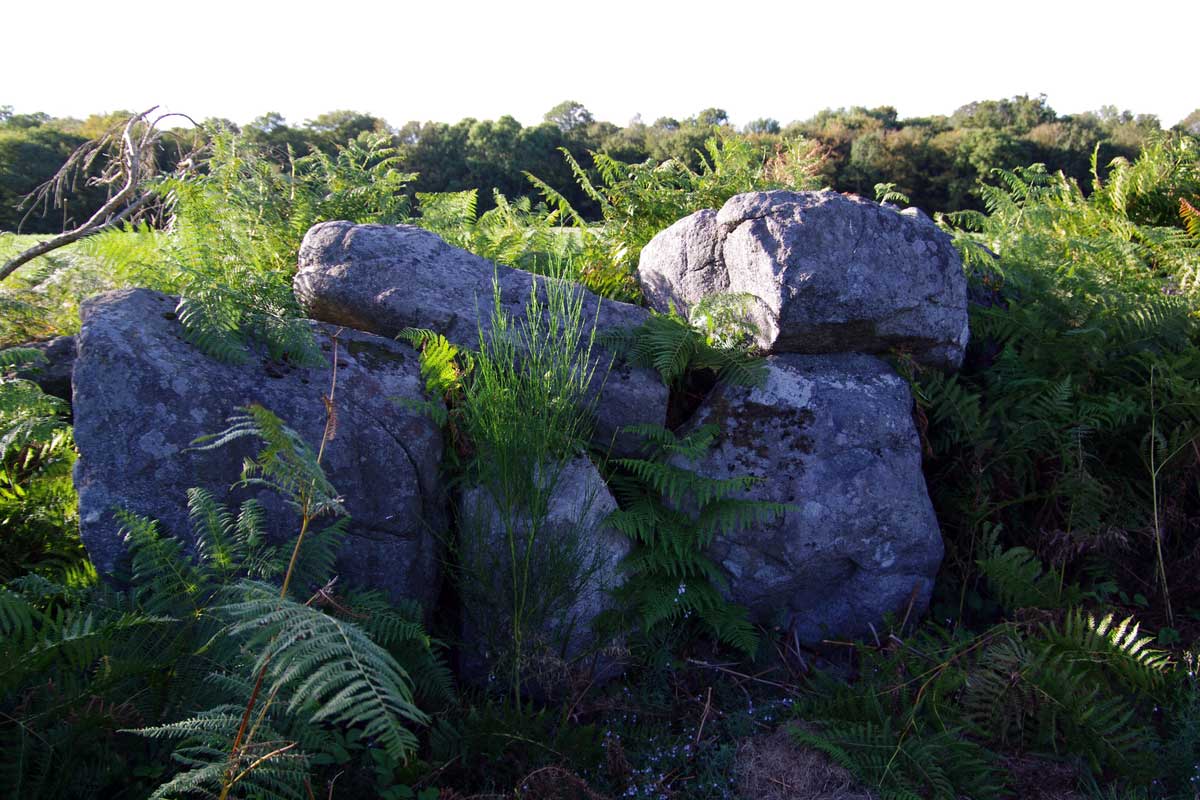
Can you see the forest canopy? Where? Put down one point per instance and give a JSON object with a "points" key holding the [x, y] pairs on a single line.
{"points": [[937, 162]]}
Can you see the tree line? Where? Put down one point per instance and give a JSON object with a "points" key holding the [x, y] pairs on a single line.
{"points": [[936, 161]]}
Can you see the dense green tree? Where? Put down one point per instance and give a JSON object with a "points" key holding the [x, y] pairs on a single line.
{"points": [[29, 156], [437, 154], [1124, 128], [712, 116], [334, 128], [569, 115], [492, 155], [271, 133], [94, 125], [1190, 123], [937, 160], [631, 144], [763, 125], [1018, 115], [35, 120]]}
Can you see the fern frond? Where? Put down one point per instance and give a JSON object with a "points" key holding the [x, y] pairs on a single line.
{"points": [[671, 514], [163, 575], [18, 617], [443, 365], [556, 200], [328, 667], [15, 357], [285, 463], [271, 768], [1020, 580], [1105, 646], [904, 763], [1191, 217], [670, 345], [398, 627]]}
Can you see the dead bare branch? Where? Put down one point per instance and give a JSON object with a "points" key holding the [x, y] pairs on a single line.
{"points": [[130, 176]]}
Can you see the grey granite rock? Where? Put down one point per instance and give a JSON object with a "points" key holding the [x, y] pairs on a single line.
{"points": [[831, 436], [573, 558], [383, 279], [684, 263], [142, 395], [830, 273]]}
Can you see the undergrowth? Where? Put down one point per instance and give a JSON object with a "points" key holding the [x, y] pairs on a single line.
{"points": [[636, 201], [37, 498], [173, 658], [1071, 426], [1062, 461]]}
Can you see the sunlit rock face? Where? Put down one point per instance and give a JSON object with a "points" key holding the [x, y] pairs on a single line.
{"points": [[823, 272], [385, 278]]}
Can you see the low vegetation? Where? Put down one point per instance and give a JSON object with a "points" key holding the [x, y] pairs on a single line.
{"points": [[1063, 462]]}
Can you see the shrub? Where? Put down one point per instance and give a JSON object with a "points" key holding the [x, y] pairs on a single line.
{"points": [[639, 200], [1070, 422]]}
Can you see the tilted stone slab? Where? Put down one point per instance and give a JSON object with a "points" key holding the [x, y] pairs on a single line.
{"points": [[384, 278], [833, 438], [573, 558], [829, 273], [142, 395]]}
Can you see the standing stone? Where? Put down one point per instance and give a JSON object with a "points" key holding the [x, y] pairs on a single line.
{"points": [[142, 395], [384, 278], [833, 438], [574, 561], [828, 273]]}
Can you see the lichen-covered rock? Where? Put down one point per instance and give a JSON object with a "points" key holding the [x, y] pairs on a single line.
{"points": [[142, 395], [833, 438], [830, 273], [684, 263], [384, 278], [571, 561]]}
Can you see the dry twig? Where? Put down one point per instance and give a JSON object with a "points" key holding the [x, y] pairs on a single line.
{"points": [[129, 176]]}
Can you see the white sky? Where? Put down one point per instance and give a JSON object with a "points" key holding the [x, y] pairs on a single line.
{"points": [[432, 60]]}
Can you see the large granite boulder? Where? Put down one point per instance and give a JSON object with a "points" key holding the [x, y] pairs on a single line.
{"points": [[832, 437], [829, 273], [571, 561], [383, 279], [142, 395]]}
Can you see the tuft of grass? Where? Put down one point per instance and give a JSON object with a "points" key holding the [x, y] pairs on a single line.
{"points": [[526, 411]]}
